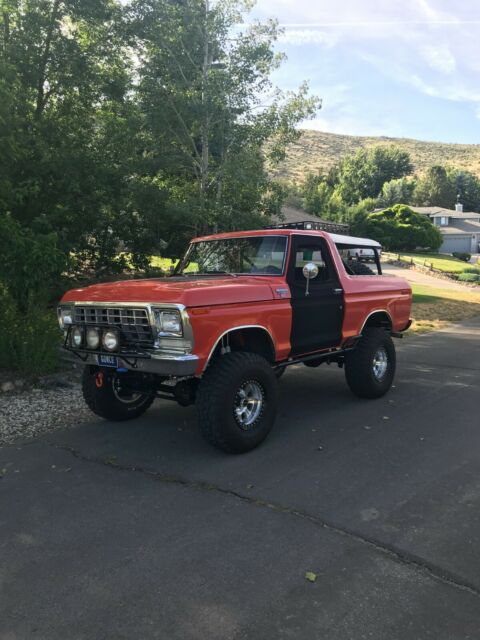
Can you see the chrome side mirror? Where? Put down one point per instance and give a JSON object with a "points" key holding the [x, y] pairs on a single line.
{"points": [[310, 271]]}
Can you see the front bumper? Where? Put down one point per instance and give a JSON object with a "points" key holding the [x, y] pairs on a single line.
{"points": [[162, 363]]}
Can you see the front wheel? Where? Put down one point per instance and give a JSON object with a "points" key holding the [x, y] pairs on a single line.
{"points": [[237, 402], [107, 396], [370, 367]]}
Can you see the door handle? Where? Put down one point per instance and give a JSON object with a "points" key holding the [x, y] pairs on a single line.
{"points": [[337, 291]]}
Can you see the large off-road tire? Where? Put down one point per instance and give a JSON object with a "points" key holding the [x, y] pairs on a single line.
{"points": [[108, 401], [279, 372], [237, 402], [370, 367]]}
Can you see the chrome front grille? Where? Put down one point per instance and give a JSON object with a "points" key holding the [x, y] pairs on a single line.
{"points": [[133, 323]]}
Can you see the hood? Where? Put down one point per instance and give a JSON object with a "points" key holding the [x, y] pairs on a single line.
{"points": [[191, 292]]}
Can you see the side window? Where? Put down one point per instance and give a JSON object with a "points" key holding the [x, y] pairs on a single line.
{"points": [[310, 253], [358, 261]]}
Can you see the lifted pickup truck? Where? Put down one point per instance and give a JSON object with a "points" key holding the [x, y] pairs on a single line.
{"points": [[239, 309]]}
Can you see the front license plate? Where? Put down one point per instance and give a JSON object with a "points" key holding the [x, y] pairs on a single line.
{"points": [[107, 361]]}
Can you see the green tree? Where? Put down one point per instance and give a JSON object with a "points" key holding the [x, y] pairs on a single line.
{"points": [[357, 213], [399, 228], [467, 188], [363, 174], [128, 127], [66, 79], [435, 189], [316, 194], [209, 109], [396, 191]]}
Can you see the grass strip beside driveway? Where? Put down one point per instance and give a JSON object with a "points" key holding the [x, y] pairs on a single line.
{"points": [[442, 262], [436, 308]]}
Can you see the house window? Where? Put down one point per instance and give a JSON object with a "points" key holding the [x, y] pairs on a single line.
{"points": [[444, 221]]}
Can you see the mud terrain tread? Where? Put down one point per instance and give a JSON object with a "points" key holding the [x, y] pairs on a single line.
{"points": [[358, 364], [215, 386], [104, 404]]}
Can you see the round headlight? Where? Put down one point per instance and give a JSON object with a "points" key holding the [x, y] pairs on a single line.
{"points": [[110, 340], [93, 338], [77, 337]]}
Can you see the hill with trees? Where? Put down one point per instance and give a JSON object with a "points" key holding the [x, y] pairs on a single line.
{"points": [[318, 151], [379, 177]]}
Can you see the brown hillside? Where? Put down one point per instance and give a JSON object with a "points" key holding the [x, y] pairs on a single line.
{"points": [[318, 151]]}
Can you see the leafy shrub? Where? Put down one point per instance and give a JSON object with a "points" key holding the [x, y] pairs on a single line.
{"points": [[461, 256], [30, 264], [28, 342], [469, 277], [399, 228], [472, 270], [30, 268]]}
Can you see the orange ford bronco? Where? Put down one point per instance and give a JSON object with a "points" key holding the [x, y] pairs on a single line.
{"points": [[237, 311]]}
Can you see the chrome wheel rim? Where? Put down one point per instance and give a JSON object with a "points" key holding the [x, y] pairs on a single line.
{"points": [[123, 396], [380, 364], [248, 404]]}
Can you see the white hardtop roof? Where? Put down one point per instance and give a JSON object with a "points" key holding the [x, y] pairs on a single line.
{"points": [[354, 242]]}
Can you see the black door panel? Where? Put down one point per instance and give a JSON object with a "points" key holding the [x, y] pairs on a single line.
{"points": [[317, 317]]}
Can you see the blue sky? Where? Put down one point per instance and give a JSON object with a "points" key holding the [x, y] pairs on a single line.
{"points": [[400, 68]]}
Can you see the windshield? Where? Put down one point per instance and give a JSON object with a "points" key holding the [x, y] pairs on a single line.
{"points": [[259, 255]]}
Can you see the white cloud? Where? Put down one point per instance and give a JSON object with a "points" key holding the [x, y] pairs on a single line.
{"points": [[431, 46], [439, 58], [432, 14], [457, 90], [309, 36]]}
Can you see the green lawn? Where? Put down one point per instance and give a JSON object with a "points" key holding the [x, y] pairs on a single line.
{"points": [[167, 263], [439, 261], [162, 263], [434, 308]]}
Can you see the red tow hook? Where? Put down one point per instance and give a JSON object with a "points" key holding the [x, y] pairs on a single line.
{"points": [[99, 379]]}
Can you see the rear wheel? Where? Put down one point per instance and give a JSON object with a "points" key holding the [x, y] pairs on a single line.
{"points": [[237, 402], [106, 395], [370, 368]]}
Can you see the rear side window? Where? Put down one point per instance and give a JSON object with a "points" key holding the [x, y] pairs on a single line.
{"points": [[358, 261]]}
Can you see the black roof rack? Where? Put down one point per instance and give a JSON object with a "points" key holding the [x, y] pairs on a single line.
{"points": [[310, 225]]}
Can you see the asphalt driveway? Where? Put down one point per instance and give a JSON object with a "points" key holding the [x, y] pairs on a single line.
{"points": [[141, 530]]}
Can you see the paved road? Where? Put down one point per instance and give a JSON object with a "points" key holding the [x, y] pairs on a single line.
{"points": [[142, 531], [418, 277]]}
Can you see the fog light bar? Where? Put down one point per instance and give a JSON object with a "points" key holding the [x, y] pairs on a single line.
{"points": [[76, 337], [93, 338], [110, 339]]}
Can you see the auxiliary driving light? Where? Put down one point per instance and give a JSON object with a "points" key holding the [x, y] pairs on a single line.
{"points": [[110, 340], [93, 338], [77, 337]]}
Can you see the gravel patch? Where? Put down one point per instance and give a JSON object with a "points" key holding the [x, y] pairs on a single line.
{"points": [[40, 410]]}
